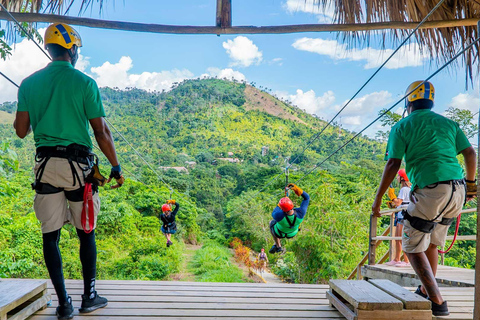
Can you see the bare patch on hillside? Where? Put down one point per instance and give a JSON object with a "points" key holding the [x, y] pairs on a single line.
{"points": [[6, 118], [259, 100]]}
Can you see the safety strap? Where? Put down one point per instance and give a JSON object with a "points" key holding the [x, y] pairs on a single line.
{"points": [[88, 209], [454, 236], [290, 223]]}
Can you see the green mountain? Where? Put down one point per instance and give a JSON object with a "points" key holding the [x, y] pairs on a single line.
{"points": [[204, 138]]}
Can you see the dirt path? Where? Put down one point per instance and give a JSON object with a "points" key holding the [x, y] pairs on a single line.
{"points": [[185, 274]]}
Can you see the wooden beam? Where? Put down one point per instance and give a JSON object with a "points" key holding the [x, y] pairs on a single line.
{"points": [[218, 21], [173, 29], [226, 14]]}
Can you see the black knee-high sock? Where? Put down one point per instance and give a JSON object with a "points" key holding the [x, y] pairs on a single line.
{"points": [[53, 261], [88, 257]]}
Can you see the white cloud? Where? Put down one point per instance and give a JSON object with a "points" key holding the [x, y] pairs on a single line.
{"points": [[408, 56], [469, 101], [117, 75], [351, 121], [227, 73], [366, 105], [278, 61], [243, 52], [26, 58], [312, 103], [324, 14]]}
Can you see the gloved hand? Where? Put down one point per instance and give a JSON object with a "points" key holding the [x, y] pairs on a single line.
{"points": [[295, 189], [391, 193], [471, 188], [116, 173], [171, 201], [391, 205], [95, 177]]}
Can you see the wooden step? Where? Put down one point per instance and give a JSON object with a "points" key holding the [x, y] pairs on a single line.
{"points": [[20, 299], [361, 300]]}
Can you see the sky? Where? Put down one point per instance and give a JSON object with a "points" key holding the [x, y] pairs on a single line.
{"points": [[313, 70]]}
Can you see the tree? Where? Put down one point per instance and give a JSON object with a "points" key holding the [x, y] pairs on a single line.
{"points": [[464, 118], [388, 120]]}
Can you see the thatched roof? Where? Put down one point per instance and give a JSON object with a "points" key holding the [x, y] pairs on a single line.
{"points": [[439, 41]]}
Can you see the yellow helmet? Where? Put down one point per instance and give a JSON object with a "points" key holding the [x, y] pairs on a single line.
{"points": [[424, 91], [63, 35]]}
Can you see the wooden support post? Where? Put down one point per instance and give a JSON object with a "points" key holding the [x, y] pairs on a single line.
{"points": [[391, 244], [476, 308], [224, 14], [371, 242]]}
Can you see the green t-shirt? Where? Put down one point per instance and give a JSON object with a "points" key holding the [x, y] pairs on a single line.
{"points": [[430, 144], [60, 100]]}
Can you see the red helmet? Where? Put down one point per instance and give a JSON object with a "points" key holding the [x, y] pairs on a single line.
{"points": [[166, 207], [403, 174], [285, 204]]}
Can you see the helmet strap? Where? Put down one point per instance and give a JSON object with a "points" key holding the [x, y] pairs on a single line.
{"points": [[73, 55]]}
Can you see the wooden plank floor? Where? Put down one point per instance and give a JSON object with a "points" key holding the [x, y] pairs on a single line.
{"points": [[405, 276], [149, 300], [197, 301]]}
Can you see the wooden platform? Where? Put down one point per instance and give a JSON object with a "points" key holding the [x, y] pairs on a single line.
{"points": [[148, 300], [21, 298], [405, 276]]}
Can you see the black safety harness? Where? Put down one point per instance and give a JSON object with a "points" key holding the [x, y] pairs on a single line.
{"points": [[427, 226], [76, 155]]}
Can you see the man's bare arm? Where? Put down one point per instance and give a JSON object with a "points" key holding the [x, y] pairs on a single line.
{"points": [[22, 124], [389, 173], [104, 139], [470, 157]]}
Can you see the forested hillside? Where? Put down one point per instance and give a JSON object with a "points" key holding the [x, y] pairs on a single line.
{"points": [[204, 138]]}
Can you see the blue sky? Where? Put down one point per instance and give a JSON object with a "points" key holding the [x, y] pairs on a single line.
{"points": [[313, 70]]}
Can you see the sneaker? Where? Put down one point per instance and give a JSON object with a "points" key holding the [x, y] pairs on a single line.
{"points": [[91, 304], [402, 264], [65, 311], [168, 244], [439, 309], [280, 250], [273, 249], [392, 263], [420, 293]]}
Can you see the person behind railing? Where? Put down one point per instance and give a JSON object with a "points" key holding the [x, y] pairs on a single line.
{"points": [[430, 144], [400, 202]]}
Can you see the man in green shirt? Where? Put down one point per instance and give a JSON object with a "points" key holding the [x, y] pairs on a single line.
{"points": [[430, 144], [58, 103]]}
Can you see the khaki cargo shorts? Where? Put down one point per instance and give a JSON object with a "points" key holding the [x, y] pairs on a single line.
{"points": [[426, 204], [55, 210]]}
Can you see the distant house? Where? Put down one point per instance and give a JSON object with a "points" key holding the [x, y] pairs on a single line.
{"points": [[190, 164], [178, 169], [231, 160], [264, 151]]}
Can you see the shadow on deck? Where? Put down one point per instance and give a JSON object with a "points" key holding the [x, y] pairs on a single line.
{"points": [[196, 301], [405, 276]]}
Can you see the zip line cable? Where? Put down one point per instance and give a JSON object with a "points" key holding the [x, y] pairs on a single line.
{"points": [[358, 91], [146, 162], [111, 124], [380, 116], [389, 109], [23, 29], [11, 81]]}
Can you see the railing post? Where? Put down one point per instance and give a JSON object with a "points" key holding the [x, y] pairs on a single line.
{"points": [[476, 308], [392, 233], [371, 243]]}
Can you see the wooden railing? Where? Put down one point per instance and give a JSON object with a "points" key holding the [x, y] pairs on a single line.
{"points": [[387, 235]]}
